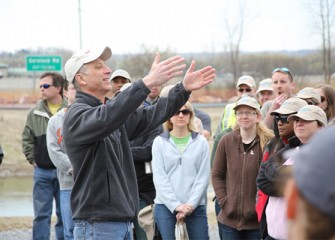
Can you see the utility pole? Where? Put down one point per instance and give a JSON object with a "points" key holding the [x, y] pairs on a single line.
{"points": [[79, 14]]}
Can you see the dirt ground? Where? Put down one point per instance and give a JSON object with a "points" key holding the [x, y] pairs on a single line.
{"points": [[14, 223]]}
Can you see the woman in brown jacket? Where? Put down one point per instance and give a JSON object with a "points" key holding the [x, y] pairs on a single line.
{"points": [[235, 169]]}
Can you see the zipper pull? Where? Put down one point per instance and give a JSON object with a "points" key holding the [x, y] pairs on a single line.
{"points": [[179, 160]]}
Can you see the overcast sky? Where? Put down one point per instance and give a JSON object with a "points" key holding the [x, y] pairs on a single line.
{"points": [[181, 25]]}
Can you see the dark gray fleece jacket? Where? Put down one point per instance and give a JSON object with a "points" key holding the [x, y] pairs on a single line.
{"points": [[96, 137]]}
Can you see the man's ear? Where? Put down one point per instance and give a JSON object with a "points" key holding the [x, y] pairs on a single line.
{"points": [[80, 79], [292, 196]]}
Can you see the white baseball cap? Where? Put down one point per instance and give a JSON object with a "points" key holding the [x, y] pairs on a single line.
{"points": [[120, 73], [248, 101], [247, 80], [309, 92], [310, 113], [290, 106], [265, 85], [82, 57]]}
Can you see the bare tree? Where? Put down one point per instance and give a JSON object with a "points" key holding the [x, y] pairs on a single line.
{"points": [[324, 12], [235, 19]]}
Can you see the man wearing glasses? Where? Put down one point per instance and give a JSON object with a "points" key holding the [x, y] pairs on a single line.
{"points": [[283, 85], [34, 146], [245, 85]]}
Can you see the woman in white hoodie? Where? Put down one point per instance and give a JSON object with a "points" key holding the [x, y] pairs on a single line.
{"points": [[181, 170]]}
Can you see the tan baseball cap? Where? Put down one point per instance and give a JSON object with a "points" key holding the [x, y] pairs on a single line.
{"points": [[146, 221], [310, 113], [309, 92], [120, 73], [265, 85], [82, 57], [248, 101], [289, 106], [247, 80]]}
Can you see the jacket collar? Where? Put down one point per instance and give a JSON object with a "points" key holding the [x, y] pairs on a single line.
{"points": [[166, 134], [294, 142], [82, 97]]}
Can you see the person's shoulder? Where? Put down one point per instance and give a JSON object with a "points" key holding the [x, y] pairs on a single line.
{"points": [[58, 115], [229, 135]]}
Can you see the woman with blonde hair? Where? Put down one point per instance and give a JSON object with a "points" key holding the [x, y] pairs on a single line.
{"points": [[234, 172], [181, 170]]}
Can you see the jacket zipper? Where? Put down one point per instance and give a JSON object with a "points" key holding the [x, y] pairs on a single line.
{"points": [[240, 205]]}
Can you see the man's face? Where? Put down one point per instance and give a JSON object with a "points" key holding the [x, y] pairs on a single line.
{"points": [[48, 91], [95, 79], [264, 96], [282, 84], [244, 89], [117, 83], [155, 92]]}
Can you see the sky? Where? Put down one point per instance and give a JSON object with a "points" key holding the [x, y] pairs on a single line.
{"points": [[178, 25]]}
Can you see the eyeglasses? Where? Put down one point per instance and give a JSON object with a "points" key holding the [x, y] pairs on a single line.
{"points": [[248, 114], [45, 85], [282, 118], [323, 99], [244, 89], [185, 112]]}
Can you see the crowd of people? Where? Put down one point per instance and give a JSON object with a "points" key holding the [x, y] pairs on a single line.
{"points": [[104, 147]]}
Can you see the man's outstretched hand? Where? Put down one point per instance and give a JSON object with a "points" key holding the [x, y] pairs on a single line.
{"points": [[163, 71], [195, 80]]}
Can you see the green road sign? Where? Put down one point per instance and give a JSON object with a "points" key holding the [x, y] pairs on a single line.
{"points": [[44, 63]]}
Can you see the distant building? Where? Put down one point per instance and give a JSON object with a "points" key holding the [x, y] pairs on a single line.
{"points": [[3, 70]]}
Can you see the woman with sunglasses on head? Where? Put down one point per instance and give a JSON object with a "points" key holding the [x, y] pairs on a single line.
{"points": [[181, 170], [235, 169], [327, 93]]}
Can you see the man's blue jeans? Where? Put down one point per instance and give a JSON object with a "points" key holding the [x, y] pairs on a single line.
{"points": [[65, 205], [46, 188], [196, 223], [102, 230]]}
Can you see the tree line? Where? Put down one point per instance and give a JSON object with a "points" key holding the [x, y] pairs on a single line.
{"points": [[259, 65]]}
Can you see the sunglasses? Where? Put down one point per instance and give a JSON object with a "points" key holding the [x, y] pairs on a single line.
{"points": [[244, 90], [45, 85], [311, 102], [323, 99], [283, 69], [282, 118], [185, 112]]}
